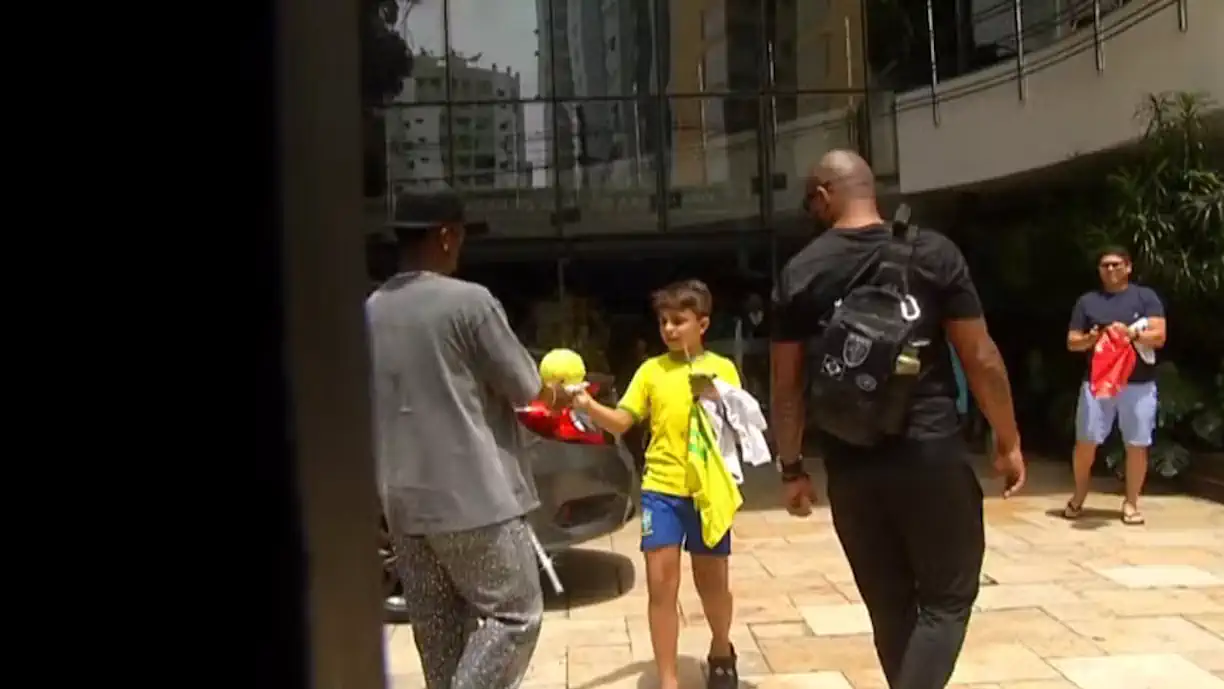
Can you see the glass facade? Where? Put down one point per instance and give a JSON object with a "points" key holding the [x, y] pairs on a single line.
{"points": [[569, 119], [615, 145]]}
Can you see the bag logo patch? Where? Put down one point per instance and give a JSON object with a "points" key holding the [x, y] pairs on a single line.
{"points": [[865, 382], [855, 350], [833, 368]]}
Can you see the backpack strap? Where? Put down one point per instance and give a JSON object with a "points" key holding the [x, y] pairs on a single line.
{"points": [[897, 255], [893, 261]]}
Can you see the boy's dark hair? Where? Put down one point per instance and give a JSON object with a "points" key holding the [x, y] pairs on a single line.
{"points": [[1113, 250], [690, 295]]}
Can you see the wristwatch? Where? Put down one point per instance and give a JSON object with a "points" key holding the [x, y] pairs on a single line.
{"points": [[791, 471]]}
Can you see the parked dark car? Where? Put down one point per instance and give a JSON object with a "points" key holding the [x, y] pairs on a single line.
{"points": [[587, 481]]}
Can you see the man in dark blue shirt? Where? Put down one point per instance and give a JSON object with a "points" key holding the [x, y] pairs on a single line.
{"points": [[1135, 311]]}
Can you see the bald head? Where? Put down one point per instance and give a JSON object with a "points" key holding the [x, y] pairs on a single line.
{"points": [[841, 191], [844, 170]]}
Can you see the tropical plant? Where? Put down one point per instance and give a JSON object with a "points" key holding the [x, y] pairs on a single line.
{"points": [[1168, 202], [1190, 420]]}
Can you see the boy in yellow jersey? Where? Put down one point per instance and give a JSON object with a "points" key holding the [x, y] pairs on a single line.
{"points": [[663, 393]]}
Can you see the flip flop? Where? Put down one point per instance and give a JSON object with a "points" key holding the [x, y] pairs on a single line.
{"points": [[1131, 516], [1073, 511]]}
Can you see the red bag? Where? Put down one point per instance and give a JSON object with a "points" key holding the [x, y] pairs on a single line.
{"points": [[1113, 360]]}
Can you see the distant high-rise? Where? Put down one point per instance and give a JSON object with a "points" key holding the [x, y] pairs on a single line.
{"points": [[488, 144]]}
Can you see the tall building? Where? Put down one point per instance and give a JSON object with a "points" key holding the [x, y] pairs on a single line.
{"points": [[488, 149], [603, 75], [810, 51]]}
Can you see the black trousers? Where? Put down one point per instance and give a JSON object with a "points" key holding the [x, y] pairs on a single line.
{"points": [[914, 536]]}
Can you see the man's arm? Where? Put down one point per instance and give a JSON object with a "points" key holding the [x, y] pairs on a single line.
{"points": [[787, 407], [500, 359], [1081, 336]]}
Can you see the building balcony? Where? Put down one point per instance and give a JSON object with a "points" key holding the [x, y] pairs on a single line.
{"points": [[1076, 96]]}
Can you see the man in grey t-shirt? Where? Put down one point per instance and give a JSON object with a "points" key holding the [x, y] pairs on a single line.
{"points": [[448, 373]]}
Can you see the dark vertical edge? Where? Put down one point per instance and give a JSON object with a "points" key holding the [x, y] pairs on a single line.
{"points": [[662, 45], [286, 656], [1098, 47], [868, 145], [930, 17], [1018, 21], [551, 104], [765, 116]]}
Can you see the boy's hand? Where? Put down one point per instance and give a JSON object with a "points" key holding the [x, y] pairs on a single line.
{"points": [[581, 400]]}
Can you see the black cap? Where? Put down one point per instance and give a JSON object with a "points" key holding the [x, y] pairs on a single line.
{"points": [[419, 211]]}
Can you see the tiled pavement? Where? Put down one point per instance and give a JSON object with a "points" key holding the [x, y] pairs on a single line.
{"points": [[1090, 605]]}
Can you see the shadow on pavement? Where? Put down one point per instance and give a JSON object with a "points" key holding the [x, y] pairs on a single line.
{"points": [[1090, 518], [690, 669], [762, 489], [589, 577]]}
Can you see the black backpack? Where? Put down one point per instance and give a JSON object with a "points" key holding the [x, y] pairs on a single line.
{"points": [[863, 366]]}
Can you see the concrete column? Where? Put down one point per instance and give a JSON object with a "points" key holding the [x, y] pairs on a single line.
{"points": [[327, 371]]}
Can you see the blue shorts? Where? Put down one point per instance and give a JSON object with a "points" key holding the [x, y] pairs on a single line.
{"points": [[1134, 408], [668, 520]]}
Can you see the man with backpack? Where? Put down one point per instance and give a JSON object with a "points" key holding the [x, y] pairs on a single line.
{"points": [[864, 315]]}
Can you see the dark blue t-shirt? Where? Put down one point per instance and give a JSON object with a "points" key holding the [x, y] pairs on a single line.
{"points": [[1101, 309]]}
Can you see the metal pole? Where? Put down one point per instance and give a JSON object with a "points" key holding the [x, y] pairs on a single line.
{"points": [[449, 108], [388, 177], [930, 16], [1018, 19], [637, 137], [701, 113], [1097, 44], [550, 111]]}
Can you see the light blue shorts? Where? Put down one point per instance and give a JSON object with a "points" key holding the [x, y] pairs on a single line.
{"points": [[1134, 408]]}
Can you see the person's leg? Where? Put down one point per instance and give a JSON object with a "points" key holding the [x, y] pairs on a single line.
{"points": [[1094, 418], [713, 582], [1137, 421], [495, 569], [662, 536], [439, 616], [946, 540], [878, 560]]}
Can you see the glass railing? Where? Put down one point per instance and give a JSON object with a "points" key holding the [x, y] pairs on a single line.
{"points": [[1027, 35]]}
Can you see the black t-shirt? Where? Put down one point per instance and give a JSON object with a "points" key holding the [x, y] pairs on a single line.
{"points": [[1100, 309], [939, 279]]}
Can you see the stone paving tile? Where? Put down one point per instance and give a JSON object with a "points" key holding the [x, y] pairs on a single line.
{"points": [[1147, 635], [1162, 576], [837, 620], [1082, 605], [1146, 671], [806, 680]]}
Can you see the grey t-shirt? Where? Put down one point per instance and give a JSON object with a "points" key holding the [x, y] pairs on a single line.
{"points": [[447, 375]]}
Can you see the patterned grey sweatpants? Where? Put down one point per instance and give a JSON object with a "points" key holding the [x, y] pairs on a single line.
{"points": [[475, 604]]}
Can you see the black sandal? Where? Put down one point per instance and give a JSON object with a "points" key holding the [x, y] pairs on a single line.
{"points": [[1073, 511]]}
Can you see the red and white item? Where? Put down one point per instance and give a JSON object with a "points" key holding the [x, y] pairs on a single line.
{"points": [[1113, 360]]}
